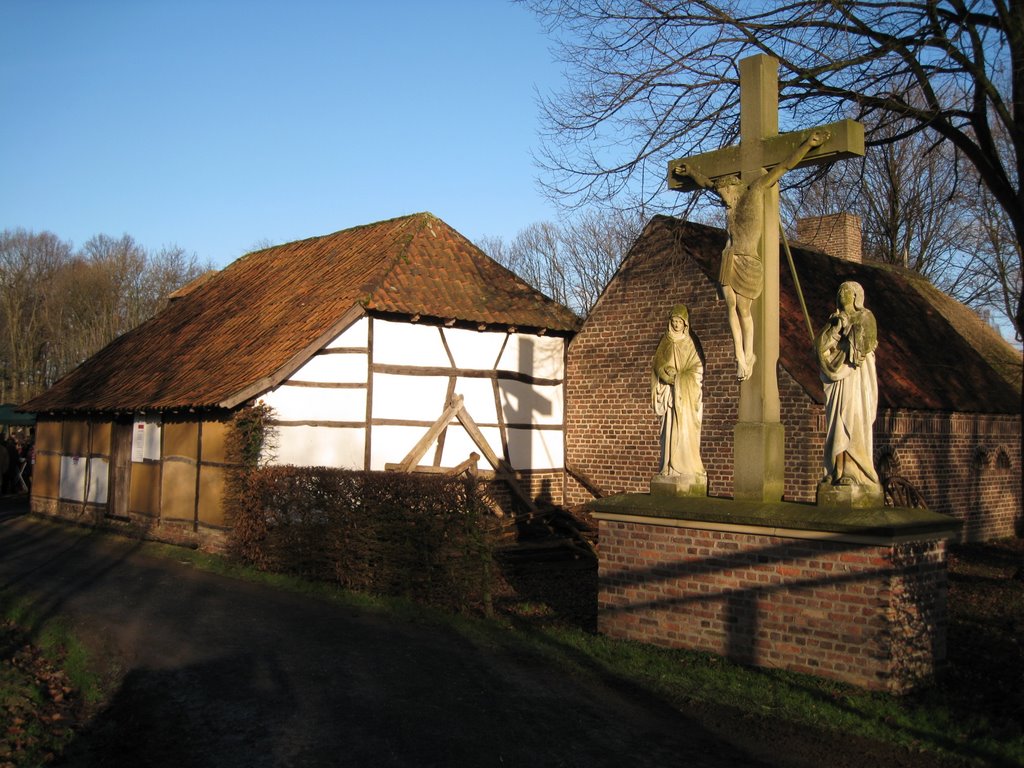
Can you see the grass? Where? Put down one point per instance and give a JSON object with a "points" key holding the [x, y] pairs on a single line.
{"points": [[972, 715], [57, 642], [47, 683]]}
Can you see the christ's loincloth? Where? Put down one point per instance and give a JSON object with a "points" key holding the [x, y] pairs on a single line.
{"points": [[743, 273]]}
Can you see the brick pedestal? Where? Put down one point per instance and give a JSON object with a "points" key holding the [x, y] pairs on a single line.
{"points": [[857, 596]]}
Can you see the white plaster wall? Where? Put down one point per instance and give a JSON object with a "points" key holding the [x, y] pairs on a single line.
{"points": [[356, 335], [475, 350], [408, 344], [412, 398], [98, 474], [522, 403], [458, 445], [536, 448], [333, 369], [421, 398], [392, 444], [540, 356], [478, 399], [304, 446], [72, 477], [312, 404]]}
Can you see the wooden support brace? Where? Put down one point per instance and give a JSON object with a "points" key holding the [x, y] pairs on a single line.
{"points": [[502, 469], [414, 456]]}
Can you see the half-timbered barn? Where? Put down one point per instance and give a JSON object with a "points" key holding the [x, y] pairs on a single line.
{"points": [[948, 430], [396, 345]]}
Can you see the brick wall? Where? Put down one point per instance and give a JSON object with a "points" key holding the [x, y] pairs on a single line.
{"points": [[612, 431], [868, 614], [965, 465]]}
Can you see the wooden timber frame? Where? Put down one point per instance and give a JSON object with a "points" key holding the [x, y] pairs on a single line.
{"points": [[456, 409]]}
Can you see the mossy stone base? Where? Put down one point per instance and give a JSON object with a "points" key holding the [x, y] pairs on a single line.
{"points": [[878, 521], [854, 496], [680, 485]]}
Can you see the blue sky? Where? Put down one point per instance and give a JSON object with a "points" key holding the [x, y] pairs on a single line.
{"points": [[220, 124]]}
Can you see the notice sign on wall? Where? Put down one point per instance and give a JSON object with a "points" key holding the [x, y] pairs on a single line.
{"points": [[146, 440]]}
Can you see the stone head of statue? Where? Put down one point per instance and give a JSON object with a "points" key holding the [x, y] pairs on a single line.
{"points": [[680, 318], [850, 296], [730, 188]]}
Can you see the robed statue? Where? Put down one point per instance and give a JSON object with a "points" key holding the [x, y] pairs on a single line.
{"points": [[845, 349], [677, 375]]}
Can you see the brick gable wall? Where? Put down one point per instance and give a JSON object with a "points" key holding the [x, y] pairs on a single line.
{"points": [[612, 432]]}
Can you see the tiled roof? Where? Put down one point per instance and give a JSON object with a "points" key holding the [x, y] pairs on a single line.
{"points": [[242, 330], [934, 354]]}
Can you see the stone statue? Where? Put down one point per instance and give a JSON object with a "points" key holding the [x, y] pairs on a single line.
{"points": [[676, 378], [741, 273], [846, 356]]}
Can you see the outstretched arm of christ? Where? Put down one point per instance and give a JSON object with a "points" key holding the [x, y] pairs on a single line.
{"points": [[816, 139], [685, 169]]}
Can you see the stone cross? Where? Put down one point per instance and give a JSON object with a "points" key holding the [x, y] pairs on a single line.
{"points": [[758, 449]]}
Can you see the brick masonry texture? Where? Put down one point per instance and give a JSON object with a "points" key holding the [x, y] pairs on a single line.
{"points": [[870, 615], [838, 234], [964, 465]]}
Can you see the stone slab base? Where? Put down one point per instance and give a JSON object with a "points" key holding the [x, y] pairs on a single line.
{"points": [[849, 496], [680, 485], [864, 608]]}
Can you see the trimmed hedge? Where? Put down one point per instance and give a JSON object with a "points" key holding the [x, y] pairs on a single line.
{"points": [[424, 537]]}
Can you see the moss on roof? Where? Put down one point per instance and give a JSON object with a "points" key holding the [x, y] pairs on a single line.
{"points": [[250, 324]]}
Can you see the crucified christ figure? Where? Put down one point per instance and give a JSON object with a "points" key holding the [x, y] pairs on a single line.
{"points": [[741, 274]]}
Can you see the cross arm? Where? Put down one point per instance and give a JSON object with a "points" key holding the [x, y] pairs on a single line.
{"points": [[846, 140]]}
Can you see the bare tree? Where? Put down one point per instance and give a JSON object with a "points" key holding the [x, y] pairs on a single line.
{"points": [[571, 262], [29, 263], [914, 214], [997, 266], [656, 79], [58, 307]]}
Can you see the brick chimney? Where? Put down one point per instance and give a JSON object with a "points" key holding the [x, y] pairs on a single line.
{"points": [[837, 234]]}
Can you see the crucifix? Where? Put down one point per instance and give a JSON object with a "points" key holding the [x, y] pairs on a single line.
{"points": [[745, 176]]}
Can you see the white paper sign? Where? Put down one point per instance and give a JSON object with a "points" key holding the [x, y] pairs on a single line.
{"points": [[138, 441], [146, 440]]}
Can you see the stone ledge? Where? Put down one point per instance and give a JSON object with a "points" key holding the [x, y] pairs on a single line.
{"points": [[782, 518]]}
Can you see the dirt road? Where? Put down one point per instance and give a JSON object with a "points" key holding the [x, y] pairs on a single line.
{"points": [[213, 671]]}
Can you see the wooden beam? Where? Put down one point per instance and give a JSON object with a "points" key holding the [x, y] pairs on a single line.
{"points": [[502, 469], [469, 465], [414, 456], [325, 384], [469, 373]]}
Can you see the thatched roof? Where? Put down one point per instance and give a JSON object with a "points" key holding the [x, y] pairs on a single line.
{"points": [[934, 354], [237, 333]]}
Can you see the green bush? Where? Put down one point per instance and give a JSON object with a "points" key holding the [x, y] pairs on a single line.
{"points": [[424, 537]]}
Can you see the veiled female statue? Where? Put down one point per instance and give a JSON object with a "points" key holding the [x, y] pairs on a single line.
{"points": [[676, 378]]}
